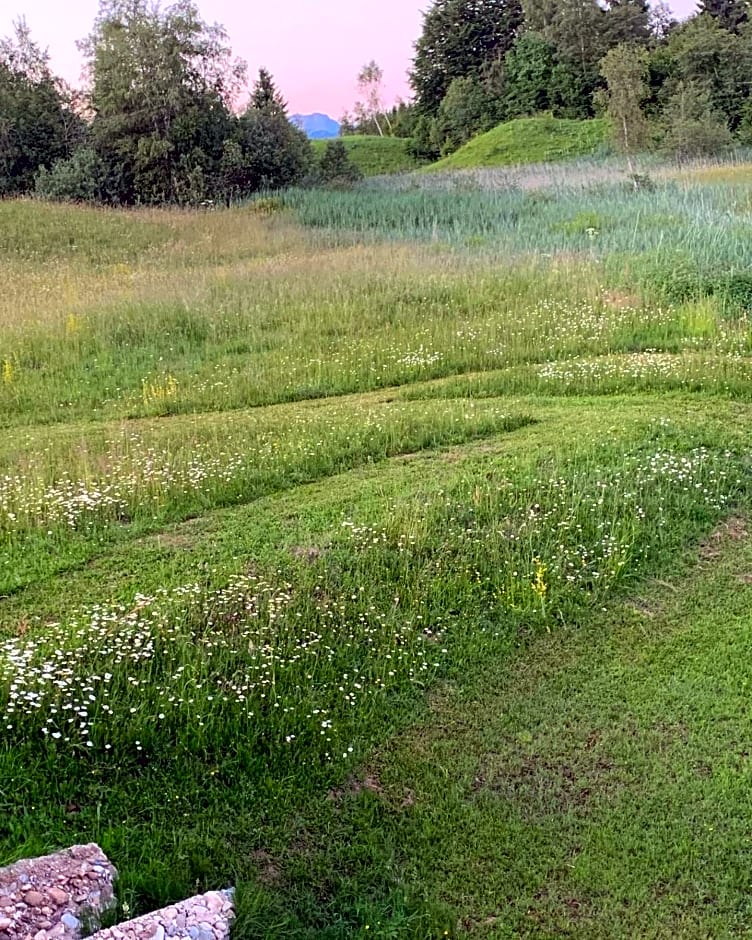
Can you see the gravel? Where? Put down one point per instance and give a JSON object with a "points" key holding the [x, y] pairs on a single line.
{"points": [[204, 917], [52, 897], [63, 897]]}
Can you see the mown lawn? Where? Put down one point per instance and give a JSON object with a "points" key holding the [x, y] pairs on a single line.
{"points": [[589, 783], [354, 562]]}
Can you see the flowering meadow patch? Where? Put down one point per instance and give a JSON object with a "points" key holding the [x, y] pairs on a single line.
{"points": [[158, 473], [255, 666], [290, 666], [647, 369]]}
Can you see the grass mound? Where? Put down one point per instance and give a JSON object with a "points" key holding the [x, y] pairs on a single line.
{"points": [[528, 140], [375, 156]]}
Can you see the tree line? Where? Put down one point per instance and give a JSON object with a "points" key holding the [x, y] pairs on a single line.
{"points": [[158, 123], [480, 62], [159, 120]]}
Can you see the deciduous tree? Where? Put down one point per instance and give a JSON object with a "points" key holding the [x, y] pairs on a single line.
{"points": [[467, 109], [369, 109], [33, 118], [692, 127], [625, 69], [702, 54], [730, 14], [162, 83]]}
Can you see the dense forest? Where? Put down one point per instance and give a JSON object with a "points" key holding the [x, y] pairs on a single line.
{"points": [[163, 117]]}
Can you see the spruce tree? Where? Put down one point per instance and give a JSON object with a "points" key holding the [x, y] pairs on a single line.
{"points": [[266, 98], [460, 39]]}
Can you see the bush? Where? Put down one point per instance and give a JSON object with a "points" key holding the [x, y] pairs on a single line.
{"points": [[335, 167], [467, 109], [692, 128], [680, 279], [77, 179]]}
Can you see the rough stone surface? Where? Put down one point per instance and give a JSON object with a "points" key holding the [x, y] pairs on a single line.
{"points": [[204, 917], [49, 898], [61, 896]]}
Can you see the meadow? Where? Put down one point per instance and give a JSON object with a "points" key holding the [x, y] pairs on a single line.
{"points": [[384, 552]]}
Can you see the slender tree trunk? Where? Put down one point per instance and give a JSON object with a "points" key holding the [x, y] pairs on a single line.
{"points": [[627, 153]]}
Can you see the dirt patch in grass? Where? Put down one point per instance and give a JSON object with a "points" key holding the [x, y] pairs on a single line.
{"points": [[540, 785], [400, 799], [369, 783], [307, 553], [269, 871], [183, 536], [732, 529], [644, 607]]}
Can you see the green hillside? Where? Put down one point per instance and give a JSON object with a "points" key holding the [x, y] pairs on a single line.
{"points": [[375, 155], [528, 140]]}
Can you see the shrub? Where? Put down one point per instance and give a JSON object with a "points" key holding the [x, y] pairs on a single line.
{"points": [[77, 179], [336, 168], [692, 127]]}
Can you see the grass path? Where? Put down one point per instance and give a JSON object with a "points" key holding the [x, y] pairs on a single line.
{"points": [[268, 520], [594, 785]]}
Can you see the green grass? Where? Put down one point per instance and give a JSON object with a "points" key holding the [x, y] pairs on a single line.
{"points": [[528, 140], [591, 784], [376, 156], [309, 519]]}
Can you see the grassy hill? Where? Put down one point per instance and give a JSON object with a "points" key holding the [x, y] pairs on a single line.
{"points": [[528, 140], [376, 155]]}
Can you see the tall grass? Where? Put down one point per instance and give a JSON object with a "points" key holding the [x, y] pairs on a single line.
{"points": [[690, 237], [252, 312]]}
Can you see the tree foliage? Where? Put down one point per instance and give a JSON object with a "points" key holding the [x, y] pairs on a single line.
{"points": [[541, 55], [460, 39], [275, 153], [701, 53], [162, 83], [467, 109], [729, 14], [692, 127], [529, 66], [35, 127], [335, 166], [369, 110], [266, 98], [159, 121], [77, 179], [625, 69]]}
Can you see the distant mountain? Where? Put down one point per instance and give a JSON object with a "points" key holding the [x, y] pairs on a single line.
{"points": [[316, 126]]}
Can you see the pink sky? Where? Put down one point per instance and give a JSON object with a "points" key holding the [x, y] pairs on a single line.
{"points": [[314, 48]]}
